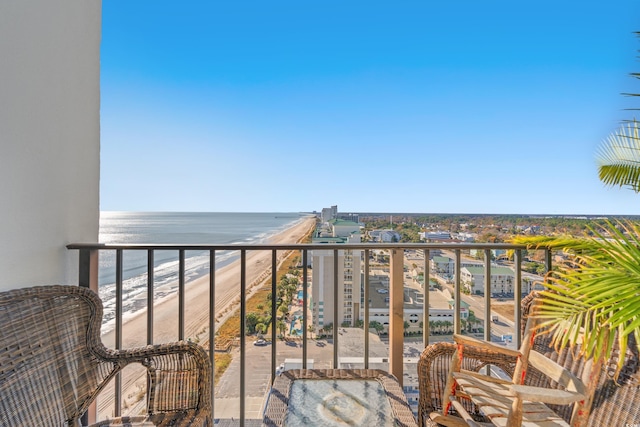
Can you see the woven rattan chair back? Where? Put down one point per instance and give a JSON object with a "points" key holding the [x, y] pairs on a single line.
{"points": [[48, 374], [53, 364]]}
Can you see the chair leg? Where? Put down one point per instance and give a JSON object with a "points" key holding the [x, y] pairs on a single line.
{"points": [[466, 418], [450, 386], [515, 414], [582, 409]]}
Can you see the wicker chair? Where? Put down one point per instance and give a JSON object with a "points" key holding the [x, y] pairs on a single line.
{"points": [[616, 402], [53, 364]]}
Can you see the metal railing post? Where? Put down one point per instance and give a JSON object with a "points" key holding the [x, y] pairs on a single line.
{"points": [[366, 309], [426, 330], [336, 326], [212, 325], [305, 315], [457, 298], [487, 295], [243, 332], [274, 311], [517, 296], [118, 330], [150, 269], [88, 269], [396, 316], [181, 296], [547, 259]]}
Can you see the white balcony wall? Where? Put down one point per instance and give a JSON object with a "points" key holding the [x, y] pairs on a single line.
{"points": [[49, 137]]}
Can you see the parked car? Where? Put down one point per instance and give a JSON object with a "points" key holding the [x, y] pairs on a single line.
{"points": [[383, 291], [260, 342]]}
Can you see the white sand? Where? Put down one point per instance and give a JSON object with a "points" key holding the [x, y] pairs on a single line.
{"points": [[227, 291]]}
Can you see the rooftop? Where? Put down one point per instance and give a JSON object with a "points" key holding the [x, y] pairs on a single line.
{"points": [[504, 271]]}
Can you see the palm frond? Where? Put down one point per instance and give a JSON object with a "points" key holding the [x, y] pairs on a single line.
{"points": [[619, 158], [593, 299], [565, 243]]}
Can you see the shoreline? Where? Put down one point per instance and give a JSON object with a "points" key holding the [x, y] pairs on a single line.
{"points": [[196, 297], [165, 313]]}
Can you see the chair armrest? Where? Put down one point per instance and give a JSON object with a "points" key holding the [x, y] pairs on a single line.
{"points": [[179, 374], [466, 340], [546, 395], [557, 373]]}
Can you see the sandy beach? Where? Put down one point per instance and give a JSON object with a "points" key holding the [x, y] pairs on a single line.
{"points": [[227, 291], [165, 315]]}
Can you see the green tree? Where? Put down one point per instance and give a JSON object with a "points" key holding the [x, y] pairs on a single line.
{"points": [[448, 326], [251, 321], [472, 321], [376, 325], [619, 158], [261, 328], [282, 327], [328, 328]]}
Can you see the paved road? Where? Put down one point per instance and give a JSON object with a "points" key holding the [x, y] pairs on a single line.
{"points": [[504, 327]]}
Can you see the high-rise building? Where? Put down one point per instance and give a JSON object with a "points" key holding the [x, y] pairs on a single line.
{"points": [[329, 214], [348, 273]]}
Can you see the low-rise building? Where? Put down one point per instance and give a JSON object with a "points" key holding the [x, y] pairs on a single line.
{"points": [[442, 265], [384, 236], [435, 235], [465, 237], [441, 308], [495, 253], [502, 280]]}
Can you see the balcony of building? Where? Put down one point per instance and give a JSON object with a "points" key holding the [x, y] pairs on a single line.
{"points": [[241, 391], [51, 175]]}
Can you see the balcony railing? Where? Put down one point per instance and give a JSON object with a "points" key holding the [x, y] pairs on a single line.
{"points": [[88, 277]]}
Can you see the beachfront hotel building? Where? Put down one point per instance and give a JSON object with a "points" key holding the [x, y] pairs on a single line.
{"points": [[329, 214], [349, 275]]}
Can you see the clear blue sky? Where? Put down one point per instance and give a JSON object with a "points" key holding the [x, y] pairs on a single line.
{"points": [[409, 106]]}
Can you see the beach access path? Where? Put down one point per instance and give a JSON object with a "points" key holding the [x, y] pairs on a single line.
{"points": [[227, 291]]}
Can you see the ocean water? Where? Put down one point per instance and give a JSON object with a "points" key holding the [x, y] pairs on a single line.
{"points": [[177, 228]]}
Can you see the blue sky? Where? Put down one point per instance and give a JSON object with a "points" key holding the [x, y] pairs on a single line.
{"points": [[412, 106]]}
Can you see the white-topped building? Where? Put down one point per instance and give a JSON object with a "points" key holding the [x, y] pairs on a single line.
{"points": [[349, 276]]}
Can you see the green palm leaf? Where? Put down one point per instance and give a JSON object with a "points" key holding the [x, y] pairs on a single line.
{"points": [[593, 299], [619, 158]]}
